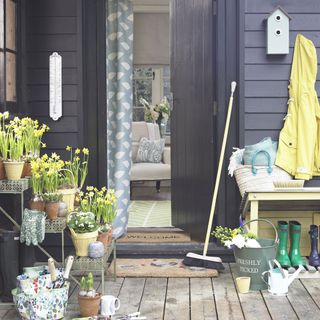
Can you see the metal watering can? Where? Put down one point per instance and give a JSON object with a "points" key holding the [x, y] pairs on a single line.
{"points": [[278, 278]]}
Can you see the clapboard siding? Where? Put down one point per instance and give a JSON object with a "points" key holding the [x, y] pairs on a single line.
{"points": [[55, 26], [266, 77]]}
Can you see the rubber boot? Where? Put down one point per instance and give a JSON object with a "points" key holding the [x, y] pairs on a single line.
{"points": [[282, 254], [9, 262], [295, 236], [314, 259]]}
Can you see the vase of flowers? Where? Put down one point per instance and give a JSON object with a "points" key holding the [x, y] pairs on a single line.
{"points": [[37, 185], [13, 160], [74, 175], [84, 230], [159, 113], [102, 203]]}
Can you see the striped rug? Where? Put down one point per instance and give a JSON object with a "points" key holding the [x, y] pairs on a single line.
{"points": [[150, 214]]}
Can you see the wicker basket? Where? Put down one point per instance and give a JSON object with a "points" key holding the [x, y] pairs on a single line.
{"points": [[81, 241], [261, 181]]}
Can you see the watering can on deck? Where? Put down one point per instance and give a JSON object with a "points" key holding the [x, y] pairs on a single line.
{"points": [[278, 278]]}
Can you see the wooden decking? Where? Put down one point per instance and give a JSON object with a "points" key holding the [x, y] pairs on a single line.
{"points": [[204, 298]]}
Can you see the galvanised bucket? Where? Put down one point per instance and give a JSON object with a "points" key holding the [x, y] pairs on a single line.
{"points": [[251, 262]]}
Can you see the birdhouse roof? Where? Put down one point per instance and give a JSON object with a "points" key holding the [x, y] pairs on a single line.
{"points": [[281, 9]]}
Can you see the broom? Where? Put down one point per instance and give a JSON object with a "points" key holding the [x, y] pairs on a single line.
{"points": [[198, 260]]}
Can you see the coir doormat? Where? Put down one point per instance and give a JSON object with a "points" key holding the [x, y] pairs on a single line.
{"points": [[160, 268]]}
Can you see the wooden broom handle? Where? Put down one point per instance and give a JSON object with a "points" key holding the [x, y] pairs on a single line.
{"points": [[217, 182]]}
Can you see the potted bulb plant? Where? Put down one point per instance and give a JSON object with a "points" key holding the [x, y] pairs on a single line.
{"points": [[14, 163], [32, 136], [102, 203], [74, 175], [52, 168], [89, 300], [37, 184], [84, 230]]}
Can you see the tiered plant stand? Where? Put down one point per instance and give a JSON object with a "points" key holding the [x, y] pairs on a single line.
{"points": [[98, 264]]}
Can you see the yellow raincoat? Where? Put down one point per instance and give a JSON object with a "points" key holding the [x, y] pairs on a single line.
{"points": [[299, 141]]}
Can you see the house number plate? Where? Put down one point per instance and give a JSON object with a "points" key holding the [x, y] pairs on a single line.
{"points": [[55, 86]]}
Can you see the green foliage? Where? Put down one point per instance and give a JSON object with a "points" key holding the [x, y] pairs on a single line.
{"points": [[52, 197], [82, 222]]}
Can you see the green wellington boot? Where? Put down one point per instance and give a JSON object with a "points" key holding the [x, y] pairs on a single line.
{"points": [[282, 254], [295, 236]]}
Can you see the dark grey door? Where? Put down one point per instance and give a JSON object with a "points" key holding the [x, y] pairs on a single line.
{"points": [[192, 67]]}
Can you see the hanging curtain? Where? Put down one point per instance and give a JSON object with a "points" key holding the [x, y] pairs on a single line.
{"points": [[119, 105]]}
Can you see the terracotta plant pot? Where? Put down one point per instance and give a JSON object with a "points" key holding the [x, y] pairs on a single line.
{"points": [[26, 172], [105, 237], [13, 169], [2, 171], [52, 209], [37, 205], [89, 306]]}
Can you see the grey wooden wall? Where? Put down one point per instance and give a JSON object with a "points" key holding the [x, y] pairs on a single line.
{"points": [[55, 26], [266, 77]]}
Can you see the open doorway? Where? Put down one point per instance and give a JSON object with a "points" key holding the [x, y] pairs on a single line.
{"points": [[150, 204]]}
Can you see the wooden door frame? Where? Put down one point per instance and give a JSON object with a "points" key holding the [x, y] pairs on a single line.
{"points": [[229, 67]]}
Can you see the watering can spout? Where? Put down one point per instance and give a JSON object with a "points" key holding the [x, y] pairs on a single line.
{"points": [[295, 274]]}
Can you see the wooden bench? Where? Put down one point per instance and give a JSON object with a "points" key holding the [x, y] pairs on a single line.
{"points": [[290, 199]]}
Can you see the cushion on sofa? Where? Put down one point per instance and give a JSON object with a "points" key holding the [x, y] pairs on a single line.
{"points": [[150, 150]]}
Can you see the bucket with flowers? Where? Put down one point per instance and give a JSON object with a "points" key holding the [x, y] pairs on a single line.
{"points": [[84, 230], [102, 203], [73, 175]]}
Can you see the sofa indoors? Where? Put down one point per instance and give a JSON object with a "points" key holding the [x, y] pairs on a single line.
{"points": [[146, 171]]}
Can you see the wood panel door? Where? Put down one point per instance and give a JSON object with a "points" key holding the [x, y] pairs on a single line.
{"points": [[192, 128]]}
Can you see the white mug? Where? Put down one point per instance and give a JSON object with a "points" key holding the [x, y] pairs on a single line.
{"points": [[109, 305]]}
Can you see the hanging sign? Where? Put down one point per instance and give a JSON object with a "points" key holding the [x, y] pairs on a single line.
{"points": [[55, 86]]}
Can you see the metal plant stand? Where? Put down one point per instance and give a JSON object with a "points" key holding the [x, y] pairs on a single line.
{"points": [[98, 264]]}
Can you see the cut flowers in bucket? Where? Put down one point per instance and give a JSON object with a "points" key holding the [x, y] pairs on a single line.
{"points": [[235, 237]]}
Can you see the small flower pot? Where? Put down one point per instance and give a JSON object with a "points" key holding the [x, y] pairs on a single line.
{"points": [[52, 209], [37, 205], [89, 306], [2, 171], [26, 172], [81, 241], [105, 237], [13, 169], [68, 196]]}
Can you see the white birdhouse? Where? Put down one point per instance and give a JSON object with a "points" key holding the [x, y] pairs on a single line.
{"points": [[278, 32]]}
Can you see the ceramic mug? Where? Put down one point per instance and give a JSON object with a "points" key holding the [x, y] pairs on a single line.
{"points": [[109, 305], [243, 284]]}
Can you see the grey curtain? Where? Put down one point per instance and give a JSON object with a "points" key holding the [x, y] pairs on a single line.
{"points": [[119, 105]]}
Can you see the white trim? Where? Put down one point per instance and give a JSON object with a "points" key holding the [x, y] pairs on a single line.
{"points": [[151, 9]]}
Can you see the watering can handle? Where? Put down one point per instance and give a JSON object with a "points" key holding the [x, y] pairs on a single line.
{"points": [[263, 278], [269, 222], [277, 263]]}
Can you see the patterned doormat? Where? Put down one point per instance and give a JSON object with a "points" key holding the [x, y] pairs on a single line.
{"points": [[150, 214], [159, 268]]}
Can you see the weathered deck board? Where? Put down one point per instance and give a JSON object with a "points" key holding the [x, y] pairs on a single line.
{"points": [[227, 302], [154, 294], [252, 303], [130, 294], [177, 301], [302, 302], [113, 287], [312, 286], [202, 299]]}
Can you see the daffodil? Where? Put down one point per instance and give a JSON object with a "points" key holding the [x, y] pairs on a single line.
{"points": [[68, 148]]}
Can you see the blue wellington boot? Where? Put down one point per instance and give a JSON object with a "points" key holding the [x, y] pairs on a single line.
{"points": [[314, 259]]}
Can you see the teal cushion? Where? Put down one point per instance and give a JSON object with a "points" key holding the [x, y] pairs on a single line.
{"points": [[150, 150], [265, 144]]}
